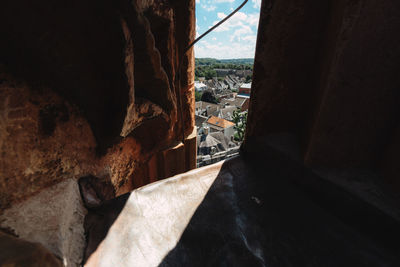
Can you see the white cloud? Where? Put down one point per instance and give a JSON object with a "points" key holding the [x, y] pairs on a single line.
{"points": [[197, 1], [197, 29], [221, 15], [235, 21], [256, 3], [249, 38], [253, 19], [237, 35], [209, 7], [239, 20], [224, 1], [232, 50]]}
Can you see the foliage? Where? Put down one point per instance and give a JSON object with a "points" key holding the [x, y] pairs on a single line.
{"points": [[212, 61], [197, 95], [205, 67], [209, 96], [248, 78], [240, 120], [205, 71]]}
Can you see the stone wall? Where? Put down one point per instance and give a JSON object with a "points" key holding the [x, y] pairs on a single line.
{"points": [[326, 72], [90, 89], [43, 141]]}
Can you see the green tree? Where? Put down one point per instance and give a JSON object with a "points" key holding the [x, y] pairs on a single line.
{"points": [[248, 78], [240, 120], [210, 73], [197, 95]]}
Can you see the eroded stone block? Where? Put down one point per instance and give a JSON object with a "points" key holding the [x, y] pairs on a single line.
{"points": [[53, 218]]}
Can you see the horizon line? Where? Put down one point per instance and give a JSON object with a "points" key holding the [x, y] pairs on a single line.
{"points": [[224, 58]]}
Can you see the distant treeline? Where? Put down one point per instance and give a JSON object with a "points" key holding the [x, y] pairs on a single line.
{"points": [[205, 67], [212, 61]]}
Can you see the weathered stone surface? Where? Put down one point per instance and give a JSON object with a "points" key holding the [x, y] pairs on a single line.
{"points": [[327, 72], [17, 252], [95, 191], [77, 50], [241, 212], [186, 29], [43, 140], [53, 218], [88, 89], [191, 150], [359, 106], [289, 41], [166, 221], [99, 220], [154, 119], [96, 95]]}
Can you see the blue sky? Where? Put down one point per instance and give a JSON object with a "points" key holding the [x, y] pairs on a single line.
{"points": [[236, 38]]}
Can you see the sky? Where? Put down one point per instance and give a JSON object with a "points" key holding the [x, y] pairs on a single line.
{"points": [[236, 38]]}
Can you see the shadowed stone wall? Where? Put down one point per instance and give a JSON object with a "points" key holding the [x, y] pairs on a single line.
{"points": [[327, 72], [89, 88]]}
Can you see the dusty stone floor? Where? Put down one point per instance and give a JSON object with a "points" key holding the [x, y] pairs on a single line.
{"points": [[248, 211]]}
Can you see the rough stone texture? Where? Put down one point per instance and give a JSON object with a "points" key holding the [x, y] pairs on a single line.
{"points": [[95, 191], [186, 26], [18, 252], [242, 212], [77, 50], [327, 71], [99, 220], [289, 39], [162, 164], [359, 108], [97, 92], [53, 218], [166, 222], [89, 89], [43, 140], [191, 150]]}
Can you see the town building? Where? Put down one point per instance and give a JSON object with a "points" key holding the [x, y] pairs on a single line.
{"points": [[206, 109], [221, 125], [240, 101], [244, 73], [227, 113], [213, 146], [245, 89], [199, 86], [199, 121]]}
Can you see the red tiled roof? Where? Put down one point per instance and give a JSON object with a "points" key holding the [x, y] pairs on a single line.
{"points": [[219, 122]]}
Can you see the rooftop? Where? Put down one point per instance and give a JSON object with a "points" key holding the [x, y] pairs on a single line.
{"points": [[245, 96], [237, 102], [246, 86], [219, 122]]}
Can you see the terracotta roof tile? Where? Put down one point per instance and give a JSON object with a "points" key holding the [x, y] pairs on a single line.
{"points": [[219, 122]]}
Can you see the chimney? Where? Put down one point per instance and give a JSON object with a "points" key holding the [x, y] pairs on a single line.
{"points": [[206, 129]]}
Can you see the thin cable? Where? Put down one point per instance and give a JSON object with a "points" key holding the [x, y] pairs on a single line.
{"points": [[187, 49], [215, 26]]}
